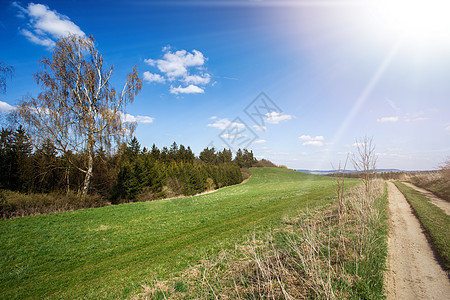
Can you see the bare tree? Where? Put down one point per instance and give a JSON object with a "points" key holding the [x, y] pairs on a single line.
{"points": [[5, 72], [364, 160], [339, 173], [78, 110]]}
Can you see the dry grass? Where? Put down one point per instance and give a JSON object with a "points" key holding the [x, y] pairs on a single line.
{"points": [[15, 204], [438, 182], [315, 255]]}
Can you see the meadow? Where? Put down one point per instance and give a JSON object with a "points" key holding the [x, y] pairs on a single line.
{"points": [[110, 252]]}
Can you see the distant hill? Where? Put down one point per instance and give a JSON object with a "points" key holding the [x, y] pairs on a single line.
{"points": [[327, 172]]}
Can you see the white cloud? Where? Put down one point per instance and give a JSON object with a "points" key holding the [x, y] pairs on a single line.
{"points": [[345, 153], [259, 142], [309, 141], [260, 128], [394, 149], [395, 155], [43, 41], [407, 119], [150, 62], [190, 89], [175, 64], [45, 25], [388, 119], [197, 79], [150, 77], [127, 118], [275, 118], [212, 117], [224, 123], [183, 67], [144, 119], [5, 107], [358, 144], [417, 116], [313, 144], [310, 138], [228, 136], [392, 104], [447, 128]]}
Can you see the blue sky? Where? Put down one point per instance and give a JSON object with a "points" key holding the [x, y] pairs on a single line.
{"points": [[331, 72]]}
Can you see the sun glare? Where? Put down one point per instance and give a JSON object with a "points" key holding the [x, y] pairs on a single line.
{"points": [[415, 20]]}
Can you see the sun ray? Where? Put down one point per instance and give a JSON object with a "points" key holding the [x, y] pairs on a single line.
{"points": [[363, 97]]}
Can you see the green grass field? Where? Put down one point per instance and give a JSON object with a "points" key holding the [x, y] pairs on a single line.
{"points": [[110, 252]]}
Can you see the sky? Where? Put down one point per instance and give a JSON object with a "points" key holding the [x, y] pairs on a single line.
{"points": [[297, 82]]}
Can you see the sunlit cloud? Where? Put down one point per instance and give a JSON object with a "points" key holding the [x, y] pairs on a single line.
{"points": [[5, 107], [260, 128], [388, 119], [224, 123], [276, 118], [310, 138], [190, 89], [127, 118], [259, 142], [309, 141], [150, 77], [44, 25], [313, 144], [182, 67]]}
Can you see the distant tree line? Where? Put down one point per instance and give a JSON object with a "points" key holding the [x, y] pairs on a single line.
{"points": [[129, 174]]}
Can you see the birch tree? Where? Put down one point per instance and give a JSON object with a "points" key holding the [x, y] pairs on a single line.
{"points": [[78, 110], [5, 72]]}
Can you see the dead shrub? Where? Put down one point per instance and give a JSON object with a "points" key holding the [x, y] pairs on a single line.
{"points": [[172, 188], [210, 186], [146, 194], [436, 182], [15, 204], [246, 173]]}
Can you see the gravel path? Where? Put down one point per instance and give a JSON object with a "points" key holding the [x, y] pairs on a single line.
{"points": [[413, 272]]}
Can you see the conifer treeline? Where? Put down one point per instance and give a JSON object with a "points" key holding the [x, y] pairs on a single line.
{"points": [[130, 174]]}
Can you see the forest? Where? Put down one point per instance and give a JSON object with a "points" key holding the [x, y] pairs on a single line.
{"points": [[129, 174]]}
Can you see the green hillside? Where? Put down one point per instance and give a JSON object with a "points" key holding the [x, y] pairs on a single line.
{"points": [[109, 252]]}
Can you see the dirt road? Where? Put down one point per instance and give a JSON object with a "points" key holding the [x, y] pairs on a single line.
{"points": [[413, 272], [441, 203]]}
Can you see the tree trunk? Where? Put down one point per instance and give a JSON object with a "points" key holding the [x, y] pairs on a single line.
{"points": [[68, 179], [87, 178]]}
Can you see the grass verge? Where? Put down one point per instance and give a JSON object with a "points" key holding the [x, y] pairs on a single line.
{"points": [[311, 255], [433, 219]]}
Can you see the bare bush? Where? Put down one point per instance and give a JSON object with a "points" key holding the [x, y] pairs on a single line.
{"points": [[14, 204], [436, 182], [364, 161]]}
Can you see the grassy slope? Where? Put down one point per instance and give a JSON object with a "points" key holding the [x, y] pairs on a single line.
{"points": [[435, 221], [438, 185], [111, 251]]}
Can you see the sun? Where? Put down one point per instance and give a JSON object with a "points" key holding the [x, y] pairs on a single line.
{"points": [[420, 21]]}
